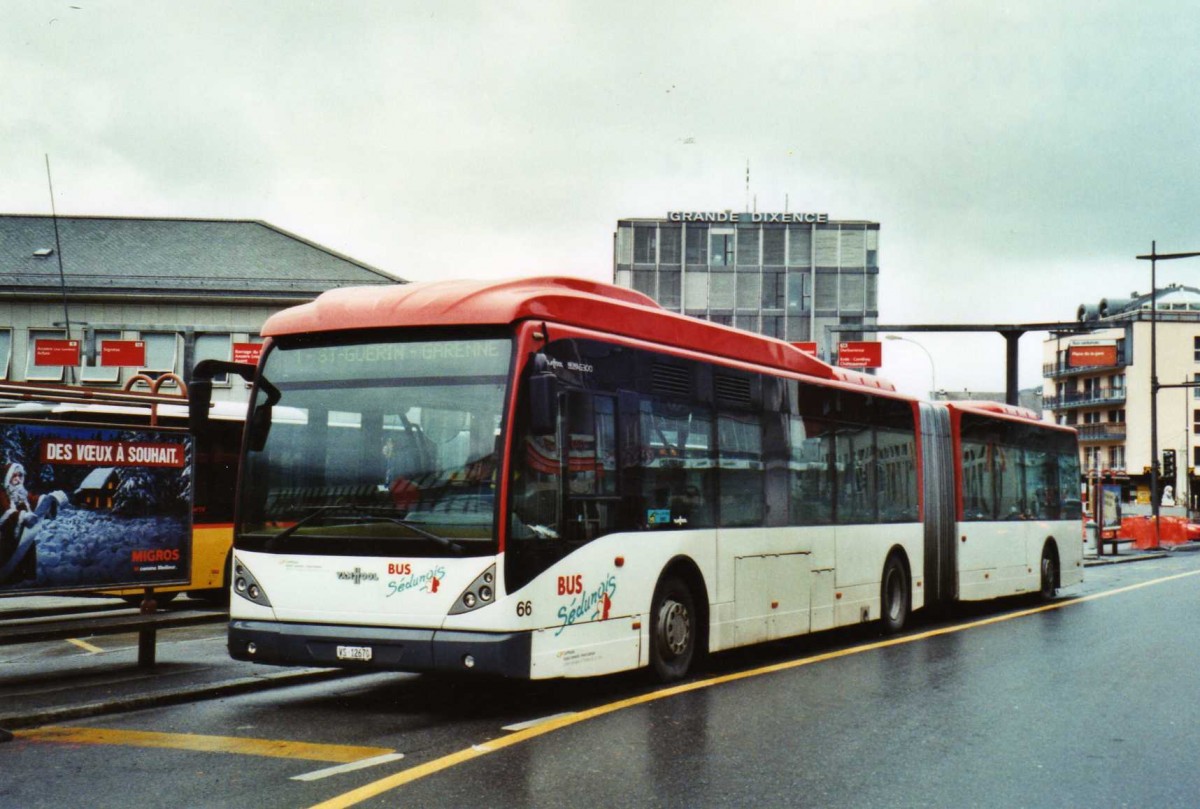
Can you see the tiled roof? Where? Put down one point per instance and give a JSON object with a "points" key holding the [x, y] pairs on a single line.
{"points": [[113, 256]]}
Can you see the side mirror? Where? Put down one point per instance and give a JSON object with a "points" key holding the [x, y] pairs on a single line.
{"points": [[200, 388], [543, 398]]}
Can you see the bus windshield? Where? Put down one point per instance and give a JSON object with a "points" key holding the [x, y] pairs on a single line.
{"points": [[376, 448]]}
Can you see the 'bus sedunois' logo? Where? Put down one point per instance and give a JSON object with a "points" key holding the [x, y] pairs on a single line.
{"points": [[358, 575]]}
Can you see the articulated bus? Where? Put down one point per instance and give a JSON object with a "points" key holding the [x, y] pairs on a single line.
{"points": [[557, 478]]}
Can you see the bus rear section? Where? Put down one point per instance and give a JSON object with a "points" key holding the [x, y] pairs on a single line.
{"points": [[1017, 498]]}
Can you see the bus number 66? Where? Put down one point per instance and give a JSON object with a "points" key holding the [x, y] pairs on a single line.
{"points": [[524, 608]]}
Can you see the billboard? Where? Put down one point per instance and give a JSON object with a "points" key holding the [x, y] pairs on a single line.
{"points": [[88, 507], [1088, 353]]}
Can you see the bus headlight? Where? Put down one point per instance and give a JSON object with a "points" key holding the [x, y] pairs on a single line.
{"points": [[246, 586], [478, 594]]}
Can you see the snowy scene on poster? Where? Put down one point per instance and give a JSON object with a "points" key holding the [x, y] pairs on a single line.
{"points": [[86, 508]]}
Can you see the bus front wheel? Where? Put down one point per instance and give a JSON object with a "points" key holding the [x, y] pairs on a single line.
{"points": [[673, 630], [894, 596]]}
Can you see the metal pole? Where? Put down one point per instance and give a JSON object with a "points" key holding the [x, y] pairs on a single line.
{"points": [[1154, 386], [1154, 493]]}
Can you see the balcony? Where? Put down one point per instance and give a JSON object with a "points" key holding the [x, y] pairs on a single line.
{"points": [[1112, 431], [1088, 398]]}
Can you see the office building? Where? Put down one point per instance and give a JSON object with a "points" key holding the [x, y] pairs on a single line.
{"points": [[800, 277]]}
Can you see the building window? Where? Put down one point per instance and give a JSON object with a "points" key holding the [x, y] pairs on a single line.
{"points": [[669, 249], [161, 351], [774, 290], [850, 320], [747, 246], [97, 372], [697, 246], [645, 245], [799, 292], [826, 291], [749, 290], [42, 373], [773, 243], [214, 347], [5, 352], [668, 289], [695, 290], [800, 246], [721, 290], [643, 281], [1116, 457], [721, 249], [1196, 349]]}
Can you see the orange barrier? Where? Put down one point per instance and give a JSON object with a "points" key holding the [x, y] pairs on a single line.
{"points": [[1171, 531]]}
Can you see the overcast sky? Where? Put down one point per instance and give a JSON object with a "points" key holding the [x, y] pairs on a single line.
{"points": [[1018, 155]]}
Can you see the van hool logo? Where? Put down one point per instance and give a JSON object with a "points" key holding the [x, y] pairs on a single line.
{"points": [[358, 575]]}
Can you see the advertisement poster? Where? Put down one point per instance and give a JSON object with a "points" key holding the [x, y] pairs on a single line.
{"points": [[1110, 507], [87, 508]]}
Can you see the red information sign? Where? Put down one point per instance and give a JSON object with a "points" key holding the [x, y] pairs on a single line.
{"points": [[247, 352], [807, 347], [55, 352], [1083, 355], [860, 355], [123, 353]]}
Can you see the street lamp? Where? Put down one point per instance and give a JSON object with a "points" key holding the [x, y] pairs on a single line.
{"points": [[932, 370], [1154, 257]]}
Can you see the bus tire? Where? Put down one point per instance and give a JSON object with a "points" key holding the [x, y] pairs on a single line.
{"points": [[1049, 587], [894, 596], [673, 630]]}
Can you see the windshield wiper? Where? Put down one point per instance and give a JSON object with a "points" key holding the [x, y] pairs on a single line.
{"points": [[364, 511]]}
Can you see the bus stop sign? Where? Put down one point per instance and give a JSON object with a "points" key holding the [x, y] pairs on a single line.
{"points": [[860, 355]]}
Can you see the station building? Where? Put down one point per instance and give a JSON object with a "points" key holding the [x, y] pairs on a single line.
{"points": [[785, 275], [1099, 382], [188, 289]]}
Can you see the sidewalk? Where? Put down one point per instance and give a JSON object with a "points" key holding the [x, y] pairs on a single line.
{"points": [[43, 684], [1127, 553]]}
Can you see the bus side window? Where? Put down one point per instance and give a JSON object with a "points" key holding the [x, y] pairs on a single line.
{"points": [[591, 466], [673, 465], [855, 474], [811, 480], [740, 459]]}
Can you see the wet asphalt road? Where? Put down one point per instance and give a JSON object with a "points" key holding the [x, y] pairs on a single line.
{"points": [[1095, 703]]}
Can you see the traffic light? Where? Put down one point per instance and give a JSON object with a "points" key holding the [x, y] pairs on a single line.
{"points": [[1169, 464]]}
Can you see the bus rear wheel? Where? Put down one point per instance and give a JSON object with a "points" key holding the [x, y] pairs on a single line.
{"points": [[1049, 574], [673, 630], [894, 596]]}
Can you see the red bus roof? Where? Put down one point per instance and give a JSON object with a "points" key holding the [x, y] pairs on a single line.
{"points": [[573, 301]]}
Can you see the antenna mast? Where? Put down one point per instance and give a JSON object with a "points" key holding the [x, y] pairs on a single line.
{"points": [[62, 278]]}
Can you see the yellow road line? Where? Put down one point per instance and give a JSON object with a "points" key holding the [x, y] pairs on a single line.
{"points": [[404, 777], [83, 644], [337, 753]]}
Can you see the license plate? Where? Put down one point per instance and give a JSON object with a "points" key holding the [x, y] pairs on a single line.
{"points": [[362, 653]]}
